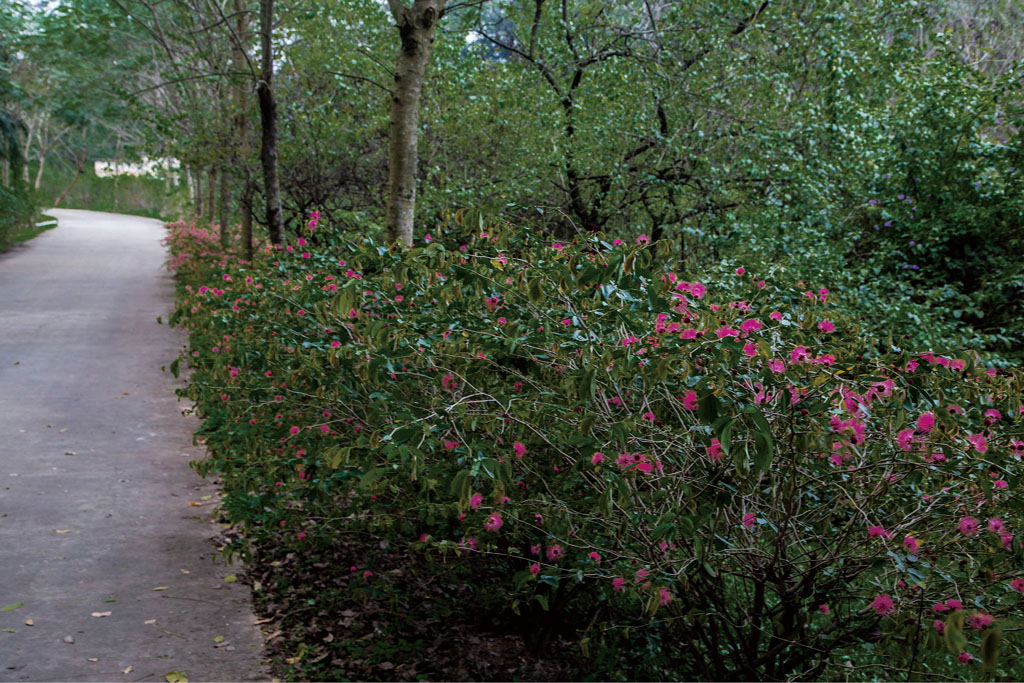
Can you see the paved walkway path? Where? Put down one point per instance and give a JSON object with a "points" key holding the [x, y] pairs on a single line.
{"points": [[104, 530]]}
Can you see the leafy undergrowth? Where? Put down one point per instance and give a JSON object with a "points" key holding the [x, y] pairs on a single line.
{"points": [[409, 619]]}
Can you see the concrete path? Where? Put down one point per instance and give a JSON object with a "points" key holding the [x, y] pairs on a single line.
{"points": [[104, 530]]}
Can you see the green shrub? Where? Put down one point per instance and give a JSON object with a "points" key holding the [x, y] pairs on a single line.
{"points": [[714, 480]]}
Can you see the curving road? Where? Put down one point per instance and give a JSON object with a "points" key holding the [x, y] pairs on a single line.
{"points": [[99, 511]]}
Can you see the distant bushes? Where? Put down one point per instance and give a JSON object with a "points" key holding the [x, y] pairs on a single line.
{"points": [[723, 479]]}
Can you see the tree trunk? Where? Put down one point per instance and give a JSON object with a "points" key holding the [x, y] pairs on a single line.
{"points": [[197, 190], [211, 193], [268, 122], [241, 150], [79, 167], [39, 173], [223, 215], [247, 221], [416, 27]]}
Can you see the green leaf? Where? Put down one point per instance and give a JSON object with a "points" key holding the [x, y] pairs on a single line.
{"points": [[10, 608], [176, 677], [991, 642], [174, 368], [372, 476]]}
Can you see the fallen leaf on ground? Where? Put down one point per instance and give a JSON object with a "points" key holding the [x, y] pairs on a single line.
{"points": [[160, 588], [69, 639], [93, 659], [9, 608], [29, 622], [149, 621], [9, 630], [102, 614], [273, 635], [218, 639], [127, 670], [63, 531], [230, 578], [70, 453], [176, 677], [262, 621]]}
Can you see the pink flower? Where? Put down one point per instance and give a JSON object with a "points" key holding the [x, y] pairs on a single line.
{"points": [[690, 400], [520, 449], [535, 569], [293, 431], [618, 584], [979, 442], [995, 524], [911, 544], [905, 439], [925, 422], [641, 575], [475, 500], [968, 526], [799, 354], [1017, 585], [642, 239], [823, 609], [882, 604], [715, 451], [826, 326], [954, 604], [554, 552], [749, 519], [876, 531], [775, 315], [963, 658], [493, 522], [450, 445], [980, 620], [595, 557], [776, 366], [596, 458], [664, 597], [940, 626], [726, 331], [367, 574], [535, 549], [649, 416], [740, 271]]}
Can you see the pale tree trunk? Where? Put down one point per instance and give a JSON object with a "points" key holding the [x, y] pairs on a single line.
{"points": [[197, 190], [241, 62], [39, 173], [211, 193], [416, 27], [223, 214], [268, 122], [247, 221]]}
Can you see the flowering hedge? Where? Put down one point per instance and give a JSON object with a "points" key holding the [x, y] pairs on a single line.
{"points": [[731, 469]]}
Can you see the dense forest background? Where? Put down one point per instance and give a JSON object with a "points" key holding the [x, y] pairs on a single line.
{"points": [[873, 145]]}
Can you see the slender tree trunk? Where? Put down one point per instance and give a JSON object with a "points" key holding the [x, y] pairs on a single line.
{"points": [[79, 167], [211, 193], [247, 221], [224, 213], [39, 174], [268, 122], [416, 27], [241, 63], [6, 173], [197, 190]]}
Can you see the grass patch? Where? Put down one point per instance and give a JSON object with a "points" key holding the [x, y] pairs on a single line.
{"points": [[25, 234]]}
